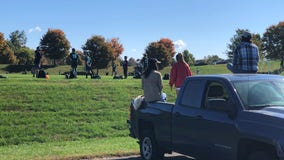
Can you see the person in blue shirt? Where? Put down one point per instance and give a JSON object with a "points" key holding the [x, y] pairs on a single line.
{"points": [[245, 57]]}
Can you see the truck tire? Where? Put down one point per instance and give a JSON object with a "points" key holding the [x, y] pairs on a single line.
{"points": [[149, 149], [261, 155]]}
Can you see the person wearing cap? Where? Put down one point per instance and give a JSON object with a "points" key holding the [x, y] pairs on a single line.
{"points": [[180, 70], [152, 82], [245, 57]]}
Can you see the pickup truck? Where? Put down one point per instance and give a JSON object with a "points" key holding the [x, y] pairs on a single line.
{"points": [[222, 117]]}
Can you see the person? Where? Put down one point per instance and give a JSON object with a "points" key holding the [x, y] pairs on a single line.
{"points": [[74, 61], [179, 71], [152, 82], [245, 57], [37, 61], [113, 65], [125, 67], [144, 62], [88, 65]]}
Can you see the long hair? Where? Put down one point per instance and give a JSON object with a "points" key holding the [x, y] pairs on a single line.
{"points": [[151, 67], [179, 58]]}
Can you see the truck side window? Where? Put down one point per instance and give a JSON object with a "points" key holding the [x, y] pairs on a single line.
{"points": [[216, 94], [192, 94]]}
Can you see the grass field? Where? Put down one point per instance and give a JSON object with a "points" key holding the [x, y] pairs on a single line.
{"points": [[57, 118]]}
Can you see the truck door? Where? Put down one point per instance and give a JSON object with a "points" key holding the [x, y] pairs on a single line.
{"points": [[217, 113], [201, 131], [185, 115]]}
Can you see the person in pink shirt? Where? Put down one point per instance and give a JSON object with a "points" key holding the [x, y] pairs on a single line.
{"points": [[180, 70]]}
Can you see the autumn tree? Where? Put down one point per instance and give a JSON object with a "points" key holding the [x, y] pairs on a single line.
{"points": [[236, 40], [163, 50], [101, 52], [57, 44], [117, 47], [273, 42], [169, 45], [6, 54]]}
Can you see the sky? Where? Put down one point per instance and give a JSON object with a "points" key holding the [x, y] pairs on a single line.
{"points": [[203, 27]]}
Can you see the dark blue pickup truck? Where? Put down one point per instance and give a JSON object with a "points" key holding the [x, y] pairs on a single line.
{"points": [[220, 117]]}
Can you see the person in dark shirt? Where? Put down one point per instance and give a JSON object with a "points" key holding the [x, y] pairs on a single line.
{"points": [[125, 66], [74, 58]]}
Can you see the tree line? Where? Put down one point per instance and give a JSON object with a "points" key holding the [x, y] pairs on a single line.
{"points": [[103, 52]]}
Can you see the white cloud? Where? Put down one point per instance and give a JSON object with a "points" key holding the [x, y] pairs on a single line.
{"points": [[179, 44], [133, 50], [35, 29]]}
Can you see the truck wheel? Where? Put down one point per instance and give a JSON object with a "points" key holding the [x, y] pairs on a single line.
{"points": [[149, 149], [261, 155]]}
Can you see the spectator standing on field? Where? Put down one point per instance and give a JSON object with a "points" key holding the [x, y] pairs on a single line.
{"points": [[245, 57], [180, 70], [37, 61], [125, 66], [88, 65], [113, 65], [74, 58]]}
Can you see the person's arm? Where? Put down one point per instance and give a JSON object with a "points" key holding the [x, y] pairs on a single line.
{"points": [[160, 83], [189, 73]]}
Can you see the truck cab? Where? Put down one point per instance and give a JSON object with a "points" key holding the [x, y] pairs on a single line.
{"points": [[228, 117]]}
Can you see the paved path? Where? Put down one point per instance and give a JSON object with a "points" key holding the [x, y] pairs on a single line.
{"points": [[174, 156]]}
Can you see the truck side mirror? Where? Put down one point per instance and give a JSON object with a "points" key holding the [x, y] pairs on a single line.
{"points": [[221, 105]]}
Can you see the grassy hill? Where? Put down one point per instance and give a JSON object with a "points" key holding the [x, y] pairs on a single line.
{"points": [[59, 118], [264, 66]]}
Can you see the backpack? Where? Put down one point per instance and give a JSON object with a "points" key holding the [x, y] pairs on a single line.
{"points": [[41, 74]]}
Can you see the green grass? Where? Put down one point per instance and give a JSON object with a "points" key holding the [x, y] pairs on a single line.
{"points": [[57, 118], [90, 148]]}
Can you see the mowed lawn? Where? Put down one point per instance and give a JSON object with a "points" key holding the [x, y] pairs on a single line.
{"points": [[39, 115], [60, 118]]}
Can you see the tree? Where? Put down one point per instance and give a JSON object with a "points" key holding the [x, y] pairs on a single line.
{"points": [[25, 56], [101, 52], [132, 61], [163, 50], [6, 54], [188, 57], [212, 59], [117, 47], [57, 44], [169, 45], [17, 40], [236, 40], [273, 42]]}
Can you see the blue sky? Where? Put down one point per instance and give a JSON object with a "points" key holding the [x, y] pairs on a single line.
{"points": [[204, 27]]}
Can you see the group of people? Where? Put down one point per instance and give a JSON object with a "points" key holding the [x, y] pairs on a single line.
{"points": [[245, 60], [152, 80]]}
